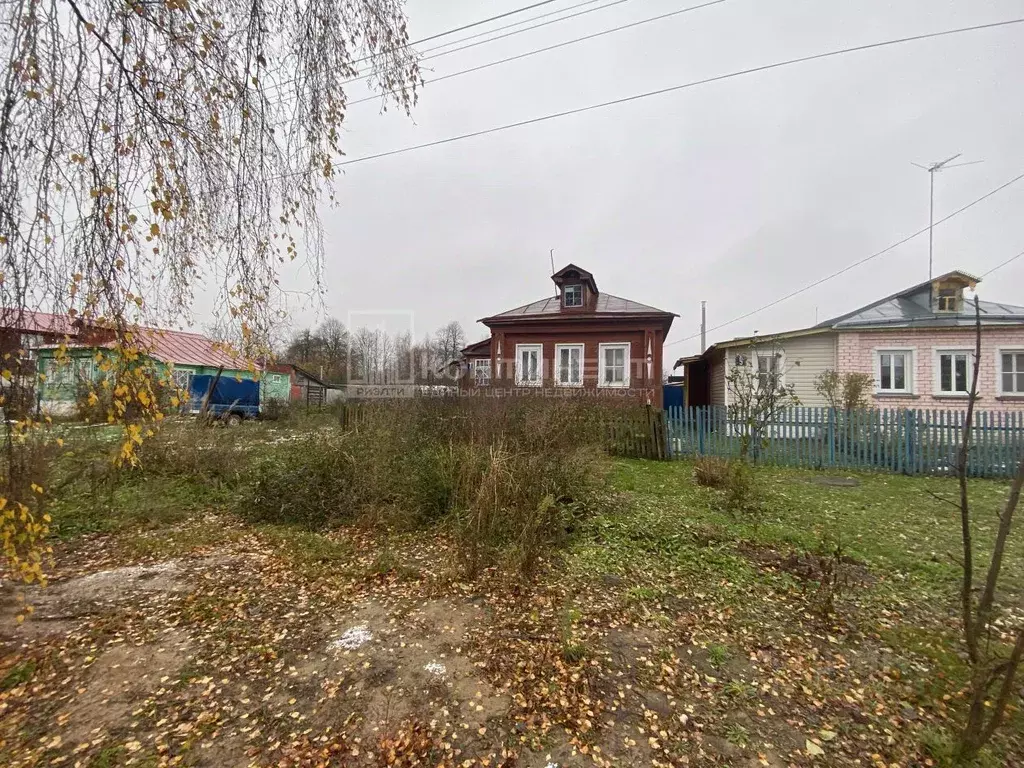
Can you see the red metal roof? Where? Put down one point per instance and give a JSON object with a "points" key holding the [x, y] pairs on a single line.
{"points": [[183, 348], [27, 321], [177, 347]]}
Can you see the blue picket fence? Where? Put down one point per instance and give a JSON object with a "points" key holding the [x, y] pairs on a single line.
{"points": [[909, 441]]}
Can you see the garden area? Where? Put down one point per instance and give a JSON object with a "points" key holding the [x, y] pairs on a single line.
{"points": [[437, 586]]}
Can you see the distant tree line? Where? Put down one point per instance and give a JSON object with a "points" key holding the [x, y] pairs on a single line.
{"points": [[336, 354]]}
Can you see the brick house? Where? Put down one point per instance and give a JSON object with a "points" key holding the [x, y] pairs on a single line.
{"points": [[579, 342], [917, 345]]}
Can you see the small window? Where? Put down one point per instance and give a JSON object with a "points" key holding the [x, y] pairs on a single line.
{"points": [[569, 362], [182, 379], [893, 372], [1011, 371], [59, 373], [614, 365], [949, 300], [768, 371], [955, 373], [482, 372], [528, 365], [84, 370], [572, 295]]}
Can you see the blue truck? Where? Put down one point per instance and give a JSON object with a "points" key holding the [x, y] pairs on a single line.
{"points": [[231, 399]]}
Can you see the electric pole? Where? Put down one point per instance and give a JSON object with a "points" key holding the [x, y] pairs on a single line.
{"points": [[932, 169]]}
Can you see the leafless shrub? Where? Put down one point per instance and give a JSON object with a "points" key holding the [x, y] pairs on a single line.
{"points": [[994, 653], [711, 471]]}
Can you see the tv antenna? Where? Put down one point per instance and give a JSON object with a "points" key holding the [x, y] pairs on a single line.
{"points": [[932, 169]]}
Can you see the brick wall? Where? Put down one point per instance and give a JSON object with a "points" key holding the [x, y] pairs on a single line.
{"points": [[857, 352]]}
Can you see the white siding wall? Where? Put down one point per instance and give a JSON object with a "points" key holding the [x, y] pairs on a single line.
{"points": [[805, 357], [718, 384]]}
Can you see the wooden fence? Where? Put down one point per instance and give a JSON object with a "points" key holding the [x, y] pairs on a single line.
{"points": [[912, 442], [909, 441]]}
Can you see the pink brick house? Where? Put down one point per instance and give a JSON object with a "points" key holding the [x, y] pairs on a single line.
{"points": [[917, 345]]}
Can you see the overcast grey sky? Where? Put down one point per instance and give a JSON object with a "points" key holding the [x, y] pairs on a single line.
{"points": [[735, 192]]}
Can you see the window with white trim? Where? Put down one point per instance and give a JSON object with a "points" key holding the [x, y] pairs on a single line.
{"points": [[84, 370], [58, 373], [893, 371], [1011, 371], [614, 365], [569, 365], [181, 378], [949, 300], [528, 365], [572, 295], [954, 372], [482, 371], [769, 369]]}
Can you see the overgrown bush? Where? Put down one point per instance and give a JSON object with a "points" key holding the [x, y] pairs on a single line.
{"points": [[742, 499], [505, 477], [312, 482], [711, 471]]}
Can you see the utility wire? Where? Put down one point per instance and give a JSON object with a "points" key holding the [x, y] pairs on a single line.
{"points": [[660, 91], [1000, 266], [865, 260], [464, 27], [672, 89], [509, 26], [535, 51], [365, 75]]}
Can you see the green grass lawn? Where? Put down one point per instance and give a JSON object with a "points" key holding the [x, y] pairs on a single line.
{"points": [[892, 523]]}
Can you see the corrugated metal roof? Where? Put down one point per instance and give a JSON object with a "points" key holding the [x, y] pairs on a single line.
{"points": [[183, 348], [607, 304], [27, 321], [912, 307], [176, 347], [903, 312]]}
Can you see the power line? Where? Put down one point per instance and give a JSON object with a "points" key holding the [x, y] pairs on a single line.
{"points": [[366, 74], [866, 259], [661, 91], [536, 51], [464, 27], [513, 24], [1000, 266], [672, 89]]}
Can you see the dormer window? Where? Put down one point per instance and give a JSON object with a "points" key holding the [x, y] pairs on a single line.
{"points": [[572, 296], [948, 300]]}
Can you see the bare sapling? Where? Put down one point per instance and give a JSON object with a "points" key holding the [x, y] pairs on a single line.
{"points": [[993, 669]]}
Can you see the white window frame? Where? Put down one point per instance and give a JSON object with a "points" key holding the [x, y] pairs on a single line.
{"points": [[482, 364], [780, 365], [937, 353], [576, 288], [627, 364], [1000, 351], [558, 365], [59, 373], [909, 369], [177, 374], [84, 370], [539, 349]]}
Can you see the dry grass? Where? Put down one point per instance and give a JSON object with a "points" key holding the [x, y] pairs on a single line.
{"points": [[711, 471]]}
